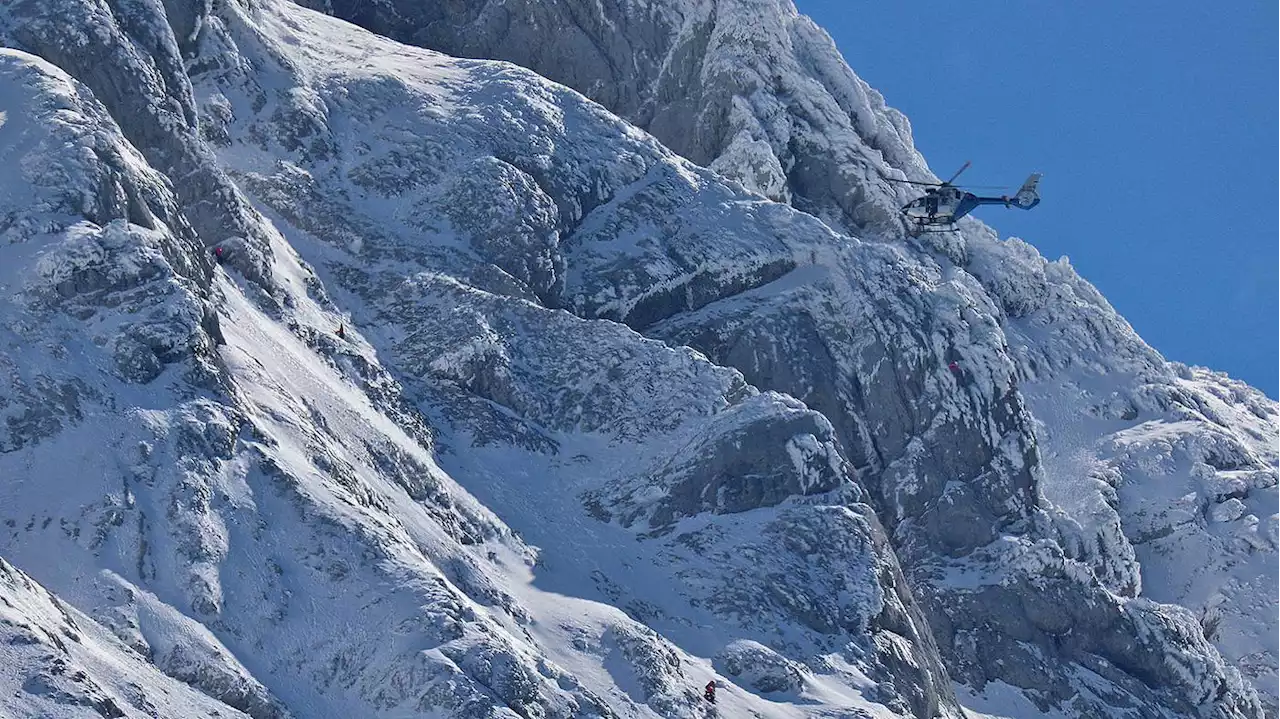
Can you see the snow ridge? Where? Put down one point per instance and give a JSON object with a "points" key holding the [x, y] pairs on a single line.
{"points": [[600, 424]]}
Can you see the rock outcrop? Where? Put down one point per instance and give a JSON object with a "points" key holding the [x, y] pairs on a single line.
{"points": [[601, 422]]}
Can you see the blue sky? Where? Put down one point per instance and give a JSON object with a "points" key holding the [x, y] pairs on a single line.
{"points": [[1154, 124]]}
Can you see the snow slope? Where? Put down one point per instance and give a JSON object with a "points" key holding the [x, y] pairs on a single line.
{"points": [[56, 661], [510, 487]]}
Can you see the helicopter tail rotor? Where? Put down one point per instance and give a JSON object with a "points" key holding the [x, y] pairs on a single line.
{"points": [[1028, 195]]}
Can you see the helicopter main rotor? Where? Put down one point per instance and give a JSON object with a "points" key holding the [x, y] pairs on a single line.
{"points": [[963, 167], [949, 182]]}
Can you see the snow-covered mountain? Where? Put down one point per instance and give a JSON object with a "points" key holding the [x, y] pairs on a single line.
{"points": [[57, 662], [498, 405]]}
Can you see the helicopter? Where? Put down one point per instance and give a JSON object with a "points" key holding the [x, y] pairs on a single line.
{"points": [[944, 203]]}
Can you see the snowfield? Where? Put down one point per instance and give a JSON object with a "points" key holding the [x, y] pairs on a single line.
{"points": [[603, 422]]}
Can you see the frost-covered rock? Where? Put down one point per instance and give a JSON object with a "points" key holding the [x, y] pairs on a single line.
{"points": [[761, 668], [59, 662], [432, 439], [1228, 511], [125, 52], [752, 89], [757, 454], [85, 225], [267, 520]]}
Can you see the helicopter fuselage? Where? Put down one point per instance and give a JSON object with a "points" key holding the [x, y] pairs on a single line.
{"points": [[945, 204]]}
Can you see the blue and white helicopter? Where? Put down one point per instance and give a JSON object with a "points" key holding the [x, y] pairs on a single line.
{"points": [[944, 203]]}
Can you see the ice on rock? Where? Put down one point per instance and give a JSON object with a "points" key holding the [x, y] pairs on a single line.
{"points": [[611, 414], [1228, 511]]}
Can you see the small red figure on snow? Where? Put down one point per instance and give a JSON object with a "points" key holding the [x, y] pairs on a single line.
{"points": [[217, 254], [954, 367], [710, 692]]}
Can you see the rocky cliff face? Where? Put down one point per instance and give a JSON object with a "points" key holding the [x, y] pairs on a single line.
{"points": [[254, 506], [750, 88], [509, 487], [59, 662], [757, 92]]}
